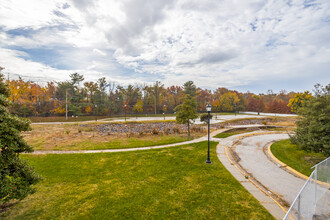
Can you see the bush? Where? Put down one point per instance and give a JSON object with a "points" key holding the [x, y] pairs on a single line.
{"points": [[204, 117]]}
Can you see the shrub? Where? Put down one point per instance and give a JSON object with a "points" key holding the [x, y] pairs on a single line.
{"points": [[204, 117]]}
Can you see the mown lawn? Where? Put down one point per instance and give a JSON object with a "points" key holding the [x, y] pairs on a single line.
{"points": [[299, 160], [119, 143], [169, 183], [231, 133], [246, 130]]}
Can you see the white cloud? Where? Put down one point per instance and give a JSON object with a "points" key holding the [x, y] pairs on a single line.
{"points": [[215, 43]]}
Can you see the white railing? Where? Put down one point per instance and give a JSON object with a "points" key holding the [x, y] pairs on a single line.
{"points": [[313, 200]]}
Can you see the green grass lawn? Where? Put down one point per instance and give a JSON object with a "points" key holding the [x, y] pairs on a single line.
{"points": [[246, 130], [169, 183], [299, 160], [231, 133]]}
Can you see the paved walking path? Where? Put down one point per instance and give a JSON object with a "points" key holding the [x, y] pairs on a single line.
{"points": [[256, 162], [216, 119], [253, 186], [267, 181]]}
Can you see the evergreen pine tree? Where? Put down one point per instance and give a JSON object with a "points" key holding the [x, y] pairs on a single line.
{"points": [[16, 176], [313, 126]]}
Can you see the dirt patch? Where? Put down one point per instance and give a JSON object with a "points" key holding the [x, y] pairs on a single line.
{"points": [[6, 206]]}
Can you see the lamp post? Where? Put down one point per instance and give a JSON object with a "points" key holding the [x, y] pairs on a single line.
{"points": [[95, 112], [125, 106], [208, 109]]}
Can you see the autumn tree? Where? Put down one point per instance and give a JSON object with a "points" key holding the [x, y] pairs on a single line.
{"points": [[186, 112], [175, 96], [138, 107], [278, 106], [203, 98], [229, 101], [255, 104], [16, 176], [216, 105], [299, 100]]}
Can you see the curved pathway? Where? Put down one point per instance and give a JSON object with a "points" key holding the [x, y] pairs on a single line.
{"points": [[255, 161], [217, 119], [248, 158]]}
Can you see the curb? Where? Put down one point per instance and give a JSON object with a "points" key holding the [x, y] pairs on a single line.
{"points": [[250, 180], [290, 168]]}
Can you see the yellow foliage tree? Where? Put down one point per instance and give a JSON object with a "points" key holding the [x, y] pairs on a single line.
{"points": [[59, 110], [88, 109], [216, 105], [228, 101], [299, 100]]}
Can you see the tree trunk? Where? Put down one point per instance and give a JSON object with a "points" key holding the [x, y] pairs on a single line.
{"points": [[188, 129]]}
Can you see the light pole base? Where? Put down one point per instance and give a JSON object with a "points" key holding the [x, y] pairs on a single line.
{"points": [[208, 161]]}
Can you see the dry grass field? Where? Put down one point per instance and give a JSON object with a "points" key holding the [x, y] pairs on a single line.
{"points": [[91, 136]]}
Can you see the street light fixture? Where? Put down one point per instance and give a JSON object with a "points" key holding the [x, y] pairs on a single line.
{"points": [[208, 109]]}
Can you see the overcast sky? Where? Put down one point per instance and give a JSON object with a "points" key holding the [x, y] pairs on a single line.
{"points": [[250, 45]]}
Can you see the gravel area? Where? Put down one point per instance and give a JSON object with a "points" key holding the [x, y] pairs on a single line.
{"points": [[146, 128]]}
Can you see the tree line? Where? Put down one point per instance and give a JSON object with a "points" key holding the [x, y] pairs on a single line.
{"points": [[104, 97]]}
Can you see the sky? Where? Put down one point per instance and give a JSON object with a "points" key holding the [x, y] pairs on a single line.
{"points": [[253, 45]]}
